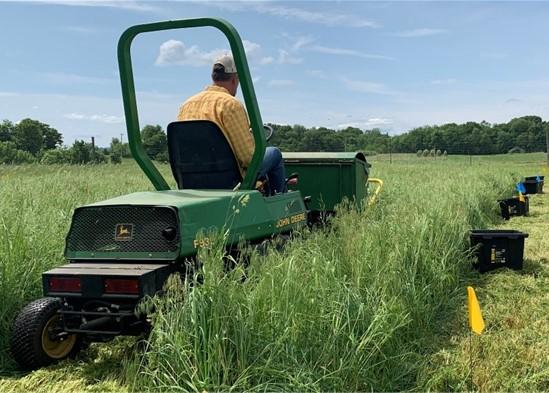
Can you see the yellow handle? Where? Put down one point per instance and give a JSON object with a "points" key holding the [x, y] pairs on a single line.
{"points": [[379, 183]]}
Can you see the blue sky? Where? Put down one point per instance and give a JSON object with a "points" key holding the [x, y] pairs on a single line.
{"points": [[367, 64]]}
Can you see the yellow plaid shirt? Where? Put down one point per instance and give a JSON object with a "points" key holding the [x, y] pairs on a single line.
{"points": [[217, 105]]}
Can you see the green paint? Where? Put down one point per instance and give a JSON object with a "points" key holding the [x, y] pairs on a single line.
{"points": [[329, 177], [247, 215], [130, 104]]}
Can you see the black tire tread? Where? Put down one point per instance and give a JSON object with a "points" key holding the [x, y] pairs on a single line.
{"points": [[26, 337]]}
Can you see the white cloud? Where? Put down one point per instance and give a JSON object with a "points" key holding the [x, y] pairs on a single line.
{"points": [[7, 94], [124, 4], [367, 87], [256, 79], [284, 57], [422, 32], [348, 52], [449, 81], [250, 47], [173, 52], [317, 74], [281, 83], [108, 119], [323, 18], [301, 42], [369, 123], [80, 29], [266, 60]]}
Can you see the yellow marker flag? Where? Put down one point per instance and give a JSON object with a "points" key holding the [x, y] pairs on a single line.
{"points": [[521, 197], [476, 323]]}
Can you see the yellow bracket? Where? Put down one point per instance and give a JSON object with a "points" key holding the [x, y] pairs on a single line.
{"points": [[379, 186]]}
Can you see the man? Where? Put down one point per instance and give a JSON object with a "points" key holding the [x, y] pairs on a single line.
{"points": [[217, 103]]}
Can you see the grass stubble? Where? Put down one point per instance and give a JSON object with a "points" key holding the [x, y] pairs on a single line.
{"points": [[374, 303]]}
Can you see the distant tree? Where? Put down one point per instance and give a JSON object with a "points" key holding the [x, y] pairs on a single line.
{"points": [[56, 156], [9, 154], [28, 136], [116, 158], [51, 137], [154, 140], [162, 157], [33, 136], [80, 153], [6, 131], [120, 149]]}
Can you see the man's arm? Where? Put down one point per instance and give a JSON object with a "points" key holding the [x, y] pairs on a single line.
{"points": [[237, 127]]}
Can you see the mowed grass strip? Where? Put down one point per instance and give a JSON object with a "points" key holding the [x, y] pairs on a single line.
{"points": [[513, 353]]}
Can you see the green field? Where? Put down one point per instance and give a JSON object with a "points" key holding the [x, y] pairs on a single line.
{"points": [[375, 303]]}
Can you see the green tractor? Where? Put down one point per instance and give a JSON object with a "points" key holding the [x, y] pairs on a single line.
{"points": [[123, 249]]}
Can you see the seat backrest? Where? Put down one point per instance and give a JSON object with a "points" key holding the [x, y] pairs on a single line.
{"points": [[201, 157]]}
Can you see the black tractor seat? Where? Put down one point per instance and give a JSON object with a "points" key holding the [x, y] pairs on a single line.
{"points": [[201, 157]]}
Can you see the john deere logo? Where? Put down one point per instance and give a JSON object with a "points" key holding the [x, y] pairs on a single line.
{"points": [[123, 232]]}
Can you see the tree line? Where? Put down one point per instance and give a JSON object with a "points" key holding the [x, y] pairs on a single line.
{"points": [[522, 134], [33, 141]]}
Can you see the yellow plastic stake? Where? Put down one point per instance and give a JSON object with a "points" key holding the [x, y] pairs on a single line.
{"points": [[476, 323], [379, 183]]}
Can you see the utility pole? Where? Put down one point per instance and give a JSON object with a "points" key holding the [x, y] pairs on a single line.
{"points": [[93, 147], [547, 142]]}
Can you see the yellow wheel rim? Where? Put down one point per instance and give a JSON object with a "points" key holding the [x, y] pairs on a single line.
{"points": [[56, 349]]}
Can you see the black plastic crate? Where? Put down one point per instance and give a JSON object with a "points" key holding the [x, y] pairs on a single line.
{"points": [[530, 186], [497, 248], [540, 182], [514, 207]]}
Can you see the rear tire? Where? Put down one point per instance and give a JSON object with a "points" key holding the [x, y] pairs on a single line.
{"points": [[33, 344]]}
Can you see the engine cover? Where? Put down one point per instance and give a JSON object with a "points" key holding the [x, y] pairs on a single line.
{"points": [[124, 232]]}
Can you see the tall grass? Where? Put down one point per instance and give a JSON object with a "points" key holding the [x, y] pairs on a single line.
{"points": [[36, 204], [348, 309], [352, 308]]}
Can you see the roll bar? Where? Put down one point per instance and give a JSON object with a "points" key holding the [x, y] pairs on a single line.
{"points": [[130, 104]]}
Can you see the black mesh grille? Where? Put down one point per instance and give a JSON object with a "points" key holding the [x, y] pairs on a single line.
{"points": [[124, 229]]}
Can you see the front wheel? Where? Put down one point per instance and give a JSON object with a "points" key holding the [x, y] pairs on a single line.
{"points": [[38, 339]]}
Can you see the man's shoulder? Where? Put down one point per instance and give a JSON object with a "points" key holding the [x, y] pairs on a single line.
{"points": [[197, 96]]}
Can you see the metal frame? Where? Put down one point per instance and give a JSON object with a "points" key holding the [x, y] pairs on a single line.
{"points": [[130, 105]]}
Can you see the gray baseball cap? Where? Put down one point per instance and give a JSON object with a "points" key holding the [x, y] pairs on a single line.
{"points": [[227, 62]]}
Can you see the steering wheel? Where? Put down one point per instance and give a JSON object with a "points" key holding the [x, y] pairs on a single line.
{"points": [[268, 131]]}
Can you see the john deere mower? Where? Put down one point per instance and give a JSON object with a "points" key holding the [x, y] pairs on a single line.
{"points": [[121, 250]]}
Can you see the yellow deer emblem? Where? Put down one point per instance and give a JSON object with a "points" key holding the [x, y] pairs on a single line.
{"points": [[123, 232]]}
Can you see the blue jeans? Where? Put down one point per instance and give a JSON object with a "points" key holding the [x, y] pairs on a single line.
{"points": [[273, 168]]}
